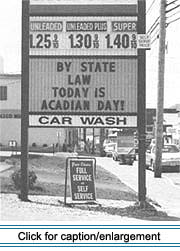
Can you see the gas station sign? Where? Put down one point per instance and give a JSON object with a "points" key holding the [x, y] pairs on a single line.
{"points": [[82, 65], [83, 35], [82, 121]]}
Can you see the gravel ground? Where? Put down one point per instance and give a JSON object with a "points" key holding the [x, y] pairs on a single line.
{"points": [[48, 208]]}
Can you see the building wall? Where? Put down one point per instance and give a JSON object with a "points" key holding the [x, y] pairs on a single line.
{"points": [[13, 83], [47, 136], [171, 118], [10, 130], [10, 113]]}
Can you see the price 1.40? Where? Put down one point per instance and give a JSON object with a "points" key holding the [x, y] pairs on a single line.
{"points": [[121, 41]]}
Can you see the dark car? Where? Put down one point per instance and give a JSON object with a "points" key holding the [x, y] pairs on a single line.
{"points": [[125, 155]]}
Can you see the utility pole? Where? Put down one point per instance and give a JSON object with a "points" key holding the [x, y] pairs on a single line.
{"points": [[160, 97], [141, 79]]}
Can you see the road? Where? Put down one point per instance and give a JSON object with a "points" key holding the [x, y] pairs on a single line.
{"points": [[174, 178], [164, 191]]}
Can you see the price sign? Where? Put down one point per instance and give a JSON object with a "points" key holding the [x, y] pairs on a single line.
{"points": [[83, 35]]}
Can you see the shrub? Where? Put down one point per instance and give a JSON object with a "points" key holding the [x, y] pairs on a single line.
{"points": [[16, 177], [45, 145], [34, 144]]}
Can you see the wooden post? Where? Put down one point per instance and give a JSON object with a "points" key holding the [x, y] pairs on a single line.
{"points": [[141, 107], [160, 96]]}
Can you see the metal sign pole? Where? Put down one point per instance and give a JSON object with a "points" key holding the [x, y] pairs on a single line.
{"points": [[141, 108], [24, 100]]}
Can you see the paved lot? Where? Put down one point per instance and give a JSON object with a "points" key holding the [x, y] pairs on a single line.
{"points": [[161, 190]]}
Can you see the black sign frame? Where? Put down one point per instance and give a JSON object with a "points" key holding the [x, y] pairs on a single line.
{"points": [[66, 180]]}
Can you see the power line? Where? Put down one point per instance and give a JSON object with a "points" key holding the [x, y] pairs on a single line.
{"points": [[173, 21], [173, 2], [150, 6], [174, 14], [154, 28], [156, 38], [177, 6], [154, 24]]}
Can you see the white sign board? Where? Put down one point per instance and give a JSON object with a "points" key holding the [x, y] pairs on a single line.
{"points": [[83, 70], [143, 41], [81, 121], [83, 85], [83, 35]]}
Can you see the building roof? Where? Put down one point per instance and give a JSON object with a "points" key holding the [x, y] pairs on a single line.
{"points": [[10, 75]]}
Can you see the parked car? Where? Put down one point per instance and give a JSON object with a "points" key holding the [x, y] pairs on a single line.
{"points": [[109, 148], [124, 155], [170, 158]]}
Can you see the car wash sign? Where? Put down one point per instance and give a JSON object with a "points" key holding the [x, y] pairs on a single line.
{"points": [[83, 67]]}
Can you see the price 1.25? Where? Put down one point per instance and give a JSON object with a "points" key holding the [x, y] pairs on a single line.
{"points": [[44, 41]]}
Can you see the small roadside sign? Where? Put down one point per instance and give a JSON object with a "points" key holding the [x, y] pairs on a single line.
{"points": [[144, 41], [12, 143], [82, 179]]}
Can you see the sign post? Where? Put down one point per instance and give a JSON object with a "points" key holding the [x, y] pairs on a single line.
{"points": [[25, 100]]}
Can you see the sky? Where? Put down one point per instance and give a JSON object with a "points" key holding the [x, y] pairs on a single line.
{"points": [[10, 50]]}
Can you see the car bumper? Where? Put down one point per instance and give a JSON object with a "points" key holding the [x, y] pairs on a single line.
{"points": [[171, 163], [108, 154], [125, 159], [171, 166]]}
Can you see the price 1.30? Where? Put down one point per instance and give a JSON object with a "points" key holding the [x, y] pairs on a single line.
{"points": [[88, 41]]}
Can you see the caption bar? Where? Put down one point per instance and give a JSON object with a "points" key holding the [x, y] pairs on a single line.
{"points": [[89, 236]]}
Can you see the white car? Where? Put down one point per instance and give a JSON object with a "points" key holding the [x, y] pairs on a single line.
{"points": [[109, 149], [170, 158]]}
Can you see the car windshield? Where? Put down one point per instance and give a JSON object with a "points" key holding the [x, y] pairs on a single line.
{"points": [[170, 149]]}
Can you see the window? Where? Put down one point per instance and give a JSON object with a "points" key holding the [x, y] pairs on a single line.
{"points": [[3, 92]]}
